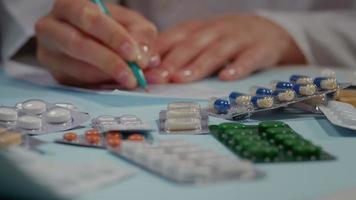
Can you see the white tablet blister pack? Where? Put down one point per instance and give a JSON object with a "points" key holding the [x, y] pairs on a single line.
{"points": [[105, 123], [38, 117], [279, 94], [183, 118], [68, 180], [340, 114], [183, 162]]}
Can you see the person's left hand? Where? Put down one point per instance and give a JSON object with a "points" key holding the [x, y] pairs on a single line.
{"points": [[197, 49]]}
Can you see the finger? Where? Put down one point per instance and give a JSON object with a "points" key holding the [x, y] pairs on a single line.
{"points": [[209, 61], [87, 17], [186, 51], [67, 39], [251, 59], [73, 68], [142, 30], [170, 38]]}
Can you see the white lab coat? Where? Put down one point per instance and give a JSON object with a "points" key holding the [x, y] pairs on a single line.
{"points": [[325, 30]]}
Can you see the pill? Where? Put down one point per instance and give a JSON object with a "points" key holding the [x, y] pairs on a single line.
{"points": [[179, 105], [67, 106], [93, 139], [136, 137], [8, 114], [262, 101], [29, 122], [305, 90], [104, 119], [113, 134], [231, 125], [263, 126], [182, 124], [183, 113], [281, 85], [10, 139], [70, 136], [239, 98], [300, 79], [58, 116], [221, 106], [34, 107], [113, 142], [129, 119], [326, 83], [284, 95], [91, 132], [263, 91]]}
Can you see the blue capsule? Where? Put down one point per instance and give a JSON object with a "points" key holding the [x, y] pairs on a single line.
{"points": [[234, 95], [221, 106], [262, 91], [300, 79], [283, 85], [326, 83]]}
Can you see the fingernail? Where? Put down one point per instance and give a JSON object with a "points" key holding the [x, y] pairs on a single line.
{"points": [[126, 79], [186, 73], [229, 74], [157, 76], [155, 61], [128, 51]]}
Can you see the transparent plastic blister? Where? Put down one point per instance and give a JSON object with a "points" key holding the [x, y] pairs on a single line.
{"points": [[280, 94], [183, 118], [10, 138], [105, 123], [186, 163], [39, 117], [340, 114]]}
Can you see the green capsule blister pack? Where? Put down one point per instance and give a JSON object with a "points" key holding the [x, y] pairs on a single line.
{"points": [[269, 141]]}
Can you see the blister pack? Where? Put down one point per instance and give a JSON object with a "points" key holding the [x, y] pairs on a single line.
{"points": [[279, 94], [9, 138], [269, 141], [183, 162], [340, 114], [183, 118], [110, 131], [38, 117]]}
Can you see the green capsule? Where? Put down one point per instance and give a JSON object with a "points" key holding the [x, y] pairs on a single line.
{"points": [[257, 151], [214, 129], [272, 132], [279, 139], [252, 127], [232, 125], [263, 126], [272, 152]]}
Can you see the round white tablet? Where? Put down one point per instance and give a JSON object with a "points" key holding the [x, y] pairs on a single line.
{"points": [[34, 107], [58, 116], [8, 114], [29, 122]]}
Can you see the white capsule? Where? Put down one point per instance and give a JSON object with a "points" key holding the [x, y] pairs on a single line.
{"points": [[179, 105], [34, 107], [29, 122], [67, 106], [182, 124], [8, 114], [183, 113], [58, 116]]}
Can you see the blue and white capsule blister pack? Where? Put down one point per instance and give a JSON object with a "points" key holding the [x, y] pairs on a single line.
{"points": [[183, 162], [340, 114], [105, 123], [280, 94], [38, 117], [183, 118]]}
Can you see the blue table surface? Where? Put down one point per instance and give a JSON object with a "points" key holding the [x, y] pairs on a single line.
{"points": [[282, 181]]}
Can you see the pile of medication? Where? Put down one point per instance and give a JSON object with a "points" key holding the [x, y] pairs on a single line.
{"points": [[39, 117], [340, 114], [280, 94], [269, 141], [183, 118], [183, 162]]}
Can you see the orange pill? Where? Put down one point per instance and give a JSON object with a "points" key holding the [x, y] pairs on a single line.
{"points": [[92, 139], [113, 142], [136, 137], [70, 136], [114, 134]]}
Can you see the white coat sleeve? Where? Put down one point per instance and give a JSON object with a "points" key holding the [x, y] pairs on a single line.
{"points": [[325, 37], [17, 20]]}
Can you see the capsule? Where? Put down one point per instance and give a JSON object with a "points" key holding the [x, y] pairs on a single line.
{"points": [[282, 85], [305, 90], [284, 95], [300, 79], [325, 83], [262, 91], [262, 101], [220, 106], [239, 98]]}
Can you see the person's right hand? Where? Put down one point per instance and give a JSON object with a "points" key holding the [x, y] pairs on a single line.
{"points": [[80, 45]]}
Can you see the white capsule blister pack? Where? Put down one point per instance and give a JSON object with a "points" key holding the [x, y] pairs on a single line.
{"points": [[105, 123], [38, 117], [183, 162], [340, 114], [183, 118], [280, 94]]}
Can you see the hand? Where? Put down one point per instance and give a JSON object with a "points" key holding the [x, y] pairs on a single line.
{"points": [[246, 43], [81, 45]]}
